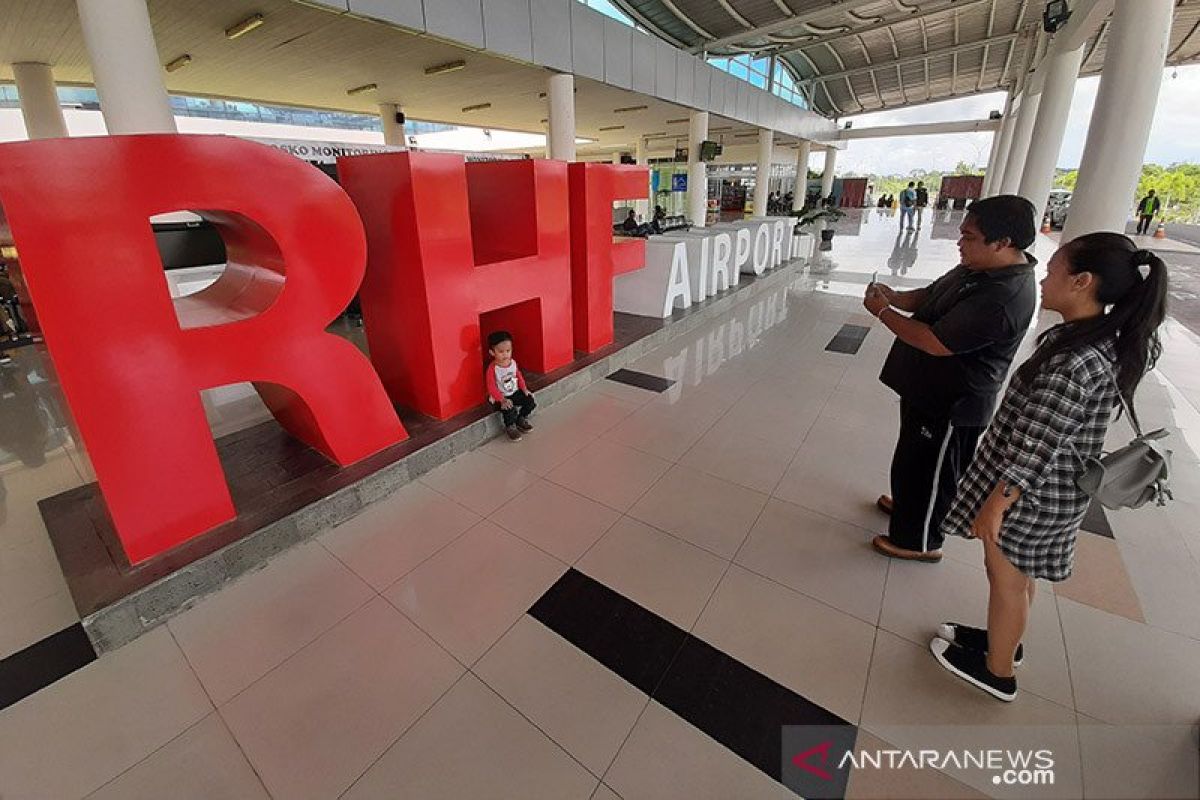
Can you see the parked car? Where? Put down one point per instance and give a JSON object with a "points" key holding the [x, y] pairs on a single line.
{"points": [[1057, 207]]}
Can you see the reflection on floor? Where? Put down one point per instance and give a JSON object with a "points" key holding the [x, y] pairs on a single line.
{"points": [[396, 655]]}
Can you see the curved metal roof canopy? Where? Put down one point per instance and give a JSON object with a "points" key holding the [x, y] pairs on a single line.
{"points": [[856, 56]]}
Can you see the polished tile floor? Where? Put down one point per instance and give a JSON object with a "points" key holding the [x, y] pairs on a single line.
{"points": [[395, 655]]}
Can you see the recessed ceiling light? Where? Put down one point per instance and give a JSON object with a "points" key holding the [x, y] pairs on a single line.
{"points": [[744, 135], [614, 128], [676, 121], [178, 63], [366, 87], [726, 128], [244, 27], [442, 69], [476, 107], [629, 108]]}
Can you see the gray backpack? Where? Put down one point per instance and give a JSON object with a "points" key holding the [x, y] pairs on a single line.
{"points": [[1131, 476]]}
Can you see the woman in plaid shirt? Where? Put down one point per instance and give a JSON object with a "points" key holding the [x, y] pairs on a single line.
{"points": [[1019, 495]]}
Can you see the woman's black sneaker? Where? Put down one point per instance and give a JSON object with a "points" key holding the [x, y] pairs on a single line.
{"points": [[971, 666], [973, 639]]}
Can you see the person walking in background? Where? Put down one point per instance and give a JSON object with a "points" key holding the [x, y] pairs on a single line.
{"points": [[1147, 210], [908, 205], [948, 364], [922, 202], [1019, 495]]}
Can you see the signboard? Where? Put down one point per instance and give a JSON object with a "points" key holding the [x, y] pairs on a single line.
{"points": [[679, 182], [408, 240]]}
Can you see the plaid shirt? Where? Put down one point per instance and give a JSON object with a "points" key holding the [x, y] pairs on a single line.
{"points": [[1035, 443]]}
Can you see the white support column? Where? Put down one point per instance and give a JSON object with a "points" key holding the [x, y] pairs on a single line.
{"points": [[125, 66], [393, 132], [994, 177], [39, 101], [1014, 167], [697, 170], [801, 190], [1062, 70], [641, 206], [762, 174], [1138, 39], [616, 157], [561, 93], [827, 177]]}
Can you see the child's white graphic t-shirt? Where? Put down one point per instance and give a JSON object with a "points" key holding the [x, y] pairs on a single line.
{"points": [[506, 378]]}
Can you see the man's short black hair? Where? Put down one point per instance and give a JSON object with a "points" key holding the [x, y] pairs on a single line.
{"points": [[1005, 216], [497, 338], [911, 184]]}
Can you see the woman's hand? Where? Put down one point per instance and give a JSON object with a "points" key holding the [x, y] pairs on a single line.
{"points": [[506, 404], [875, 301], [987, 524]]}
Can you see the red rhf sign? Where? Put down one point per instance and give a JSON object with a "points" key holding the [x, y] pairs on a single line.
{"points": [[442, 251]]}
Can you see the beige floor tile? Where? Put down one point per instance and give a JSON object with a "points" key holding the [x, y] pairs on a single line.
{"points": [[817, 556], [605, 793], [234, 637], [479, 481], [667, 575], [470, 593], [81, 732], [706, 511], [659, 430], [840, 472], [902, 784], [814, 650], [731, 452], [1147, 762], [610, 473], [204, 763], [473, 744], [551, 443], [391, 537], [1168, 588], [621, 391], [666, 758], [920, 596], [556, 519], [1100, 578], [24, 625], [912, 702], [594, 412], [1125, 672], [314, 724], [956, 548], [574, 699], [29, 572]]}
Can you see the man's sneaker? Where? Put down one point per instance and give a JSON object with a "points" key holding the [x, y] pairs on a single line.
{"points": [[513, 433], [972, 639], [524, 425], [971, 666]]}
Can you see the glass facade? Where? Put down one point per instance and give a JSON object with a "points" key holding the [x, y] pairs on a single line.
{"points": [[757, 70], [239, 110]]}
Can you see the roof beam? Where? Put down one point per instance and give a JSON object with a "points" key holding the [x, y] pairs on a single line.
{"points": [[783, 24], [879, 26], [946, 51], [685, 19], [920, 129]]}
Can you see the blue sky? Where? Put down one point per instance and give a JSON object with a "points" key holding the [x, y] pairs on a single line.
{"points": [[1174, 137]]}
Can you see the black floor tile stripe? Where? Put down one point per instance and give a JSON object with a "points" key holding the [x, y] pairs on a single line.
{"points": [[1096, 521], [641, 380], [740, 708], [43, 663], [848, 340]]}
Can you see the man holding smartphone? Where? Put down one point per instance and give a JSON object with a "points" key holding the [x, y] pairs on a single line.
{"points": [[949, 363]]}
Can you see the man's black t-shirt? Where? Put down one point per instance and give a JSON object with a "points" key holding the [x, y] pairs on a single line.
{"points": [[922, 197], [980, 316]]}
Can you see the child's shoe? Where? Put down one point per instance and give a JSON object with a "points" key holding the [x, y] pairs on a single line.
{"points": [[513, 433], [524, 425]]}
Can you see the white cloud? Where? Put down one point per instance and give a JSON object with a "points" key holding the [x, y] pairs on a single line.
{"points": [[1172, 136]]}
